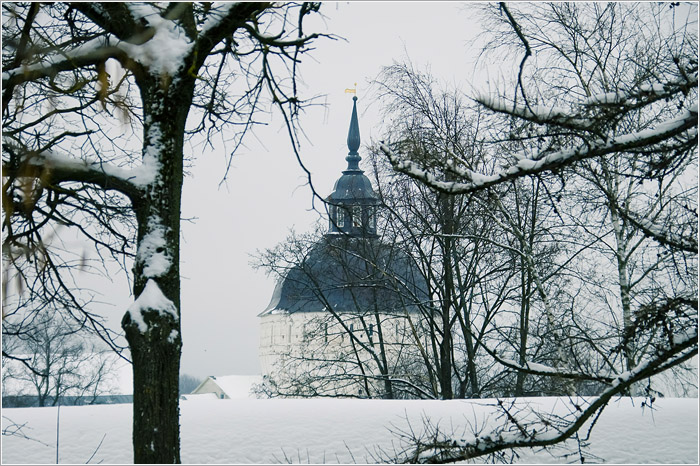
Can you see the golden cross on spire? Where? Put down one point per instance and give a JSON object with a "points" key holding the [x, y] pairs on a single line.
{"points": [[351, 91]]}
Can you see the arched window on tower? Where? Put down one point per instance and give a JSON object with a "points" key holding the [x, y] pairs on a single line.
{"points": [[340, 217], [357, 216], [372, 218]]}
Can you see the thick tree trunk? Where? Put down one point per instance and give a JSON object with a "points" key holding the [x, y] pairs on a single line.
{"points": [[152, 324], [156, 431]]}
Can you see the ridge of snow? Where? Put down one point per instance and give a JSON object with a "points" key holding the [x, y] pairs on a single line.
{"points": [[248, 431]]}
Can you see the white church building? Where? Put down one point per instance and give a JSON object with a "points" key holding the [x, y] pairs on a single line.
{"points": [[343, 321]]}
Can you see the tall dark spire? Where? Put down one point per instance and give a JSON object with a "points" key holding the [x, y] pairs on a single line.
{"points": [[353, 157], [353, 202]]}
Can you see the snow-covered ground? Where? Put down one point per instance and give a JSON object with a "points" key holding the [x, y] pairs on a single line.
{"points": [[337, 431]]}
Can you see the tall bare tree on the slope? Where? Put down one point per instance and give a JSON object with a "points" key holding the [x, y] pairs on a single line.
{"points": [[613, 90], [72, 73]]}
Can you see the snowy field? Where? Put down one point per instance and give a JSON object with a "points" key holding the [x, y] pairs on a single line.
{"points": [[338, 431]]}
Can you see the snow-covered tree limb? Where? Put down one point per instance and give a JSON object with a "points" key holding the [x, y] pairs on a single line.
{"points": [[582, 116], [53, 168], [520, 433], [686, 243], [97, 51], [683, 126]]}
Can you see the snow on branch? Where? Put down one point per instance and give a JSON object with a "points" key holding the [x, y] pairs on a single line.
{"points": [[89, 53], [216, 15], [151, 299], [645, 93], [684, 243], [571, 117], [539, 113], [56, 167], [525, 427], [165, 50], [684, 125], [161, 49]]}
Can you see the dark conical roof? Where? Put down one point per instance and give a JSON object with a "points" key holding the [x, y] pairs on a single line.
{"points": [[354, 131], [351, 275]]}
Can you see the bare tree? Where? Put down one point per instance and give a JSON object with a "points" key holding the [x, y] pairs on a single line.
{"points": [[472, 248], [607, 113], [81, 81], [437, 229], [65, 365]]}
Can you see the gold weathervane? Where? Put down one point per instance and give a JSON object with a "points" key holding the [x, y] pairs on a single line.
{"points": [[351, 91]]}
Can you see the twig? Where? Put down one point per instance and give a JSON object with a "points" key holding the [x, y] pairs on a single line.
{"points": [[17, 431], [96, 449]]}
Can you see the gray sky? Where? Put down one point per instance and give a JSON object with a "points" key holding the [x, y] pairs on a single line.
{"points": [[266, 194]]}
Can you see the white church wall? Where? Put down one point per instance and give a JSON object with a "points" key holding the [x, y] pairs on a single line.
{"points": [[315, 349]]}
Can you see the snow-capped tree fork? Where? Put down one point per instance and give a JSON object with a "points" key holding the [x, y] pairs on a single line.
{"points": [[65, 165]]}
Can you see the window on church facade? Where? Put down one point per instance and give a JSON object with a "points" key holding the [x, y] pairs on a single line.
{"points": [[357, 216], [340, 217]]}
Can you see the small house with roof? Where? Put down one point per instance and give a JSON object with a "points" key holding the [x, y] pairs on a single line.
{"points": [[226, 387]]}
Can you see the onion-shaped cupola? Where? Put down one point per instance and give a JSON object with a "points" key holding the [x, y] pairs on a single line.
{"points": [[353, 204]]}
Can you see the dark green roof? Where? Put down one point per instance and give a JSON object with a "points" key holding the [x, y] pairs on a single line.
{"points": [[351, 275]]}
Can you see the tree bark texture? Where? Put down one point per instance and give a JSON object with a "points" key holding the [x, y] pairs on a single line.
{"points": [[156, 351]]}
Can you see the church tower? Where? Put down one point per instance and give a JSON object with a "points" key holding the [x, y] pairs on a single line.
{"points": [[352, 205], [345, 299]]}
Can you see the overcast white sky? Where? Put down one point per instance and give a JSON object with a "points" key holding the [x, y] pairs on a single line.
{"points": [[266, 193]]}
